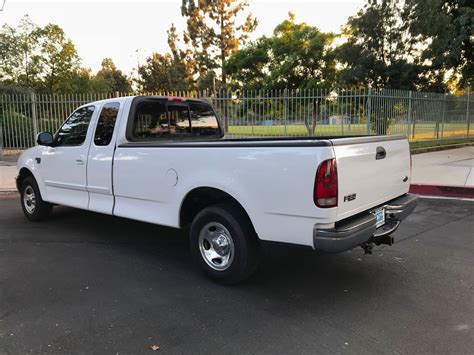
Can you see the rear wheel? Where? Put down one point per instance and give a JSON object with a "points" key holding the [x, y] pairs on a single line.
{"points": [[224, 243], [34, 208]]}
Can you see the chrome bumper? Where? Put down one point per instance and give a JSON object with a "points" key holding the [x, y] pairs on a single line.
{"points": [[360, 229]]}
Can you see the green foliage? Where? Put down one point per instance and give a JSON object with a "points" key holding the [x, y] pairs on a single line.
{"points": [[20, 54], [214, 34], [163, 73], [59, 58], [296, 56], [379, 51], [410, 44], [446, 29], [115, 79], [39, 58], [20, 129]]}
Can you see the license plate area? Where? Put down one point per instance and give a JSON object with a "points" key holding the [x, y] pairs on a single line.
{"points": [[379, 217]]}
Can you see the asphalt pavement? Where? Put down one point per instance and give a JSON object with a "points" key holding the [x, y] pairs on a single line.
{"points": [[82, 282]]}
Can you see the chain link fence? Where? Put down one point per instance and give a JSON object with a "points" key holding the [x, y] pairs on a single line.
{"points": [[344, 112]]}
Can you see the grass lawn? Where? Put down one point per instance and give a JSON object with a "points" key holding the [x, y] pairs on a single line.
{"points": [[422, 130], [440, 142]]}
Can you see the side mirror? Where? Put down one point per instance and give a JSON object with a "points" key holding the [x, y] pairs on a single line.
{"points": [[44, 138]]}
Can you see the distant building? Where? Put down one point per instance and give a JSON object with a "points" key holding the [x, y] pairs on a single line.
{"points": [[339, 119]]}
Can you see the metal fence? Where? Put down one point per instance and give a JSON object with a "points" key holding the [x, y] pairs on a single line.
{"points": [[419, 115]]}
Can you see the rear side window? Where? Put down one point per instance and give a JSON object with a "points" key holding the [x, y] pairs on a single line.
{"points": [[159, 119], [106, 124]]}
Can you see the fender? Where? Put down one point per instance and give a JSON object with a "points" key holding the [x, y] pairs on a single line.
{"points": [[239, 197], [27, 161]]}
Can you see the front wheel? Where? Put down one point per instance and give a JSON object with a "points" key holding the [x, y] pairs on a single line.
{"points": [[34, 208], [224, 243]]}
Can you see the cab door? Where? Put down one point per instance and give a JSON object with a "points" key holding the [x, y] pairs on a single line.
{"points": [[64, 163], [99, 162]]}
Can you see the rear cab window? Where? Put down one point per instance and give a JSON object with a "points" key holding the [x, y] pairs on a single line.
{"points": [[155, 119]]}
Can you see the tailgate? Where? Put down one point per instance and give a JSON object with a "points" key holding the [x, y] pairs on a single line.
{"points": [[370, 171]]}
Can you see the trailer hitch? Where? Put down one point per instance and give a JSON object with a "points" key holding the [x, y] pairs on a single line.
{"points": [[382, 239], [377, 240], [367, 247]]}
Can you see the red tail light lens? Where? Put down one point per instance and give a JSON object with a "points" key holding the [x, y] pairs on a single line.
{"points": [[325, 185]]}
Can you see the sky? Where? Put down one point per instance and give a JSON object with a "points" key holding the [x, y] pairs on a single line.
{"points": [[129, 31]]}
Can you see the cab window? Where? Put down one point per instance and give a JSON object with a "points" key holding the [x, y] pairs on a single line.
{"points": [[159, 119], [106, 124], [74, 130]]}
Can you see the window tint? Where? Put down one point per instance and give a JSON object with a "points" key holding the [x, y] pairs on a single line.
{"points": [[178, 115], [203, 120], [106, 124], [150, 120], [156, 119], [74, 130]]}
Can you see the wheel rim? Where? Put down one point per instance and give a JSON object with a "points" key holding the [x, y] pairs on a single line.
{"points": [[29, 199], [216, 246]]}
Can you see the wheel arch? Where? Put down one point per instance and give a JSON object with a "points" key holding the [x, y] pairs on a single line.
{"points": [[23, 173], [204, 196]]}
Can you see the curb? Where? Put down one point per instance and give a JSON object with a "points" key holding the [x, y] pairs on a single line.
{"points": [[415, 151], [443, 191]]}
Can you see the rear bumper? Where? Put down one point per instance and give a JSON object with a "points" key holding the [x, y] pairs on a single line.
{"points": [[351, 232]]}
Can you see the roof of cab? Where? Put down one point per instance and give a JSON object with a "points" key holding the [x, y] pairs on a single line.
{"points": [[129, 98]]}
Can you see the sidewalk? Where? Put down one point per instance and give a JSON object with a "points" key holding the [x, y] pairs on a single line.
{"points": [[7, 176], [452, 167]]}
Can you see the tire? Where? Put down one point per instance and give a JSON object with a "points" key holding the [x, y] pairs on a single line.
{"points": [[34, 208], [235, 243]]}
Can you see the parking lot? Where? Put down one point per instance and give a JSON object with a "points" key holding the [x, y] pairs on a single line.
{"points": [[85, 282]]}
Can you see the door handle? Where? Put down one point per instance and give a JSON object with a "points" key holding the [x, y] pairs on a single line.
{"points": [[79, 161], [380, 153]]}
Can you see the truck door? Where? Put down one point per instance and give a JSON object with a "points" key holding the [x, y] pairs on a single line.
{"points": [[63, 165], [99, 162]]}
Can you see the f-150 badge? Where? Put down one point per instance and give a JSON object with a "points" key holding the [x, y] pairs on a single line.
{"points": [[350, 197]]}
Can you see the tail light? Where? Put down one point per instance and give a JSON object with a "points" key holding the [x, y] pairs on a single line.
{"points": [[325, 184]]}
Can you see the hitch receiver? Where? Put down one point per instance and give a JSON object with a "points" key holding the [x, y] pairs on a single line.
{"points": [[382, 239]]}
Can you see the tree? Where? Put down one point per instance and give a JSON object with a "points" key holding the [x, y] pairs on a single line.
{"points": [[445, 28], [296, 56], [302, 56], [59, 58], [83, 81], [379, 50], [20, 58], [116, 80], [249, 66], [163, 73], [213, 33]]}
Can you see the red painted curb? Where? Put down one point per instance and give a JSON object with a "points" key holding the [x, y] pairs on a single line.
{"points": [[444, 191]]}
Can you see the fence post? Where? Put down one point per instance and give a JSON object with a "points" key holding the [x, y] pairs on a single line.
{"points": [[33, 116], [1, 127], [443, 115], [226, 113], [467, 112], [285, 109], [410, 95], [369, 109]]}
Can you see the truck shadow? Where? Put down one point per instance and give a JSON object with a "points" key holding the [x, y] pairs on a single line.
{"points": [[285, 271]]}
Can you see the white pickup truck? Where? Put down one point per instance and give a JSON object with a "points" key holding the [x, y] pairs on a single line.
{"points": [[164, 160]]}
